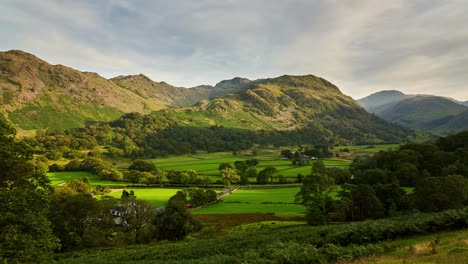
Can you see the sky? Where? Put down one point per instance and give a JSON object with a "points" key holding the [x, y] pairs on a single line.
{"points": [[362, 46]]}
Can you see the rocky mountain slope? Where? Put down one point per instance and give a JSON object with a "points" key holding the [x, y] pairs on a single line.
{"points": [[37, 95]]}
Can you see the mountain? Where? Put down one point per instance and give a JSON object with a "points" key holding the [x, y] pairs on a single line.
{"points": [[37, 95], [375, 101], [428, 113], [283, 110], [177, 96]]}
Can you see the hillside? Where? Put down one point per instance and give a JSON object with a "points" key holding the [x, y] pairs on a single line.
{"points": [[282, 111], [374, 102], [177, 96], [38, 95], [421, 112], [345, 243]]}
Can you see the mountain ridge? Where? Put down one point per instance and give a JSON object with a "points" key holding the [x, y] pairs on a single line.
{"points": [[39, 95], [307, 106], [429, 113]]}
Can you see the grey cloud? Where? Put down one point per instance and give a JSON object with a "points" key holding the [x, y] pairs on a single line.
{"points": [[363, 46]]}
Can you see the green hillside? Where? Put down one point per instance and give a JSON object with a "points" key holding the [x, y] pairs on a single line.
{"points": [[428, 113], [286, 105], [282, 111], [38, 95]]}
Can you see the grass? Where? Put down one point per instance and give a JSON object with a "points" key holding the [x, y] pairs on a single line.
{"points": [[57, 178], [360, 150], [156, 196], [206, 164], [452, 247], [264, 225], [279, 202], [262, 242], [283, 210]]}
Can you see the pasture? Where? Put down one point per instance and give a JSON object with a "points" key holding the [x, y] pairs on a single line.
{"points": [[206, 164], [156, 196], [279, 202], [57, 178], [360, 150]]}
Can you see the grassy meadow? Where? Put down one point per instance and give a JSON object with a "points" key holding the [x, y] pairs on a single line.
{"points": [[206, 164], [57, 178], [278, 202], [156, 196]]}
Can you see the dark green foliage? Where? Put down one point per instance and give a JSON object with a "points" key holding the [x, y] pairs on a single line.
{"points": [[198, 197], [225, 165], [127, 196], [136, 219], [96, 166], [252, 162], [441, 193], [142, 165], [241, 167], [301, 244], [287, 153], [266, 174], [413, 162], [319, 167], [25, 233], [176, 221], [315, 194]]}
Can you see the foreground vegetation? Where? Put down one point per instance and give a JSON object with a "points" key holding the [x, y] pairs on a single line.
{"points": [[40, 219], [300, 244]]}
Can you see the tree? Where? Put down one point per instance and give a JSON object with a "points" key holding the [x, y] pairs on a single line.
{"points": [[266, 174], [137, 216], [319, 167], [71, 213], [142, 165], [176, 222], [26, 234], [441, 193], [229, 176], [241, 167], [132, 176], [287, 153], [362, 202], [250, 173], [224, 165], [315, 193], [127, 196], [79, 185], [252, 162]]}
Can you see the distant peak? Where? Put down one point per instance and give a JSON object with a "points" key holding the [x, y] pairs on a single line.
{"points": [[233, 82], [134, 76], [20, 53], [389, 92]]}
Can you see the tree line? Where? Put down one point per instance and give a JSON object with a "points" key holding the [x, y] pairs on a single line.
{"points": [[436, 172]]}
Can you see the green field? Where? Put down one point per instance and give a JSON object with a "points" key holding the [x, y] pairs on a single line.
{"points": [[275, 201], [156, 196], [57, 178], [206, 164]]}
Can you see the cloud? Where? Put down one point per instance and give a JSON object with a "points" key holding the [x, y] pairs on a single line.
{"points": [[363, 46]]}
